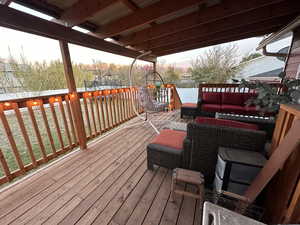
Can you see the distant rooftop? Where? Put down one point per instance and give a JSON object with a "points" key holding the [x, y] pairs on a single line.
{"points": [[259, 67]]}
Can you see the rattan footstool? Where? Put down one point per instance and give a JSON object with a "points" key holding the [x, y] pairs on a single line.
{"points": [[187, 177]]}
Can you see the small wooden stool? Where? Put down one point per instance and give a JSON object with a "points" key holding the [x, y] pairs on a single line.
{"points": [[189, 177]]}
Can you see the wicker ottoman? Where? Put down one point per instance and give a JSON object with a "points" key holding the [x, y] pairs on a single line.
{"points": [[166, 149], [188, 109]]}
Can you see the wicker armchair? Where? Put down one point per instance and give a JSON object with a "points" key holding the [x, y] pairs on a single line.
{"points": [[203, 140]]}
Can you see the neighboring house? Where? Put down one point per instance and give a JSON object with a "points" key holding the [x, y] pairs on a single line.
{"points": [[264, 68]]}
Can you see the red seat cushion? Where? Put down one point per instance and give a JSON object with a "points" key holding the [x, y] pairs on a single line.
{"points": [[170, 138], [211, 107], [227, 123], [251, 110], [189, 105], [233, 109], [233, 98], [211, 97]]}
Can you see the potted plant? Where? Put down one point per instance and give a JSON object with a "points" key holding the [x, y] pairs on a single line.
{"points": [[269, 99]]}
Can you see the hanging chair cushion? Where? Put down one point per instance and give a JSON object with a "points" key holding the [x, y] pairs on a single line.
{"points": [[170, 138]]}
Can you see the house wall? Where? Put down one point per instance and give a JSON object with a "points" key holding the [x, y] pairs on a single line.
{"points": [[293, 63]]}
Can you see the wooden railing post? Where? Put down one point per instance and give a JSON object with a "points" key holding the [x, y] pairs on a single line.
{"points": [[75, 102]]}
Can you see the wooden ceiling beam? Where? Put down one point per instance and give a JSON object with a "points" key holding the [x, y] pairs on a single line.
{"points": [[207, 15], [82, 10], [18, 20], [130, 4], [51, 10], [145, 16], [272, 13], [214, 41]]}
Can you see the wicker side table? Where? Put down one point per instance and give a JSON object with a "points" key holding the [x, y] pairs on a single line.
{"points": [[188, 177]]}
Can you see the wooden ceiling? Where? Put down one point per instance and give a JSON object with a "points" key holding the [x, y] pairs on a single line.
{"points": [[162, 26]]}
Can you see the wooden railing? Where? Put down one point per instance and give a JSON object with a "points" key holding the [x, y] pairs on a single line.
{"points": [[36, 130], [283, 193]]}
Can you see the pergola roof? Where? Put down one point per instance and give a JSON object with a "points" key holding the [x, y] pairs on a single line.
{"points": [[162, 26]]}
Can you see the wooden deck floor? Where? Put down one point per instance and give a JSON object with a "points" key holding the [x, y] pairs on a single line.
{"points": [[107, 184]]}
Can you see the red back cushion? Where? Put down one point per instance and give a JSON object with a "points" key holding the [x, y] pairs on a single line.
{"points": [[170, 138], [211, 97], [233, 98], [227, 123]]}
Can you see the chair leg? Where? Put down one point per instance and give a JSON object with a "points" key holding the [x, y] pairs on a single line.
{"points": [[150, 165]]}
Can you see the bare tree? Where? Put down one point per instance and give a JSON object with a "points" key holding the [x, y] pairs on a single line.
{"points": [[217, 65]]}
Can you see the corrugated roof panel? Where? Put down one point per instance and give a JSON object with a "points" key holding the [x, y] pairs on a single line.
{"points": [[111, 13]]}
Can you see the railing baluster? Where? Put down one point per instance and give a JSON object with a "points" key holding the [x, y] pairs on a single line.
{"points": [[114, 97], [87, 115], [71, 119], [124, 105], [5, 167], [52, 107], [62, 110], [118, 106], [102, 110], [106, 109], [36, 130], [93, 115], [24, 134], [47, 127], [11, 139], [111, 109], [95, 99]]}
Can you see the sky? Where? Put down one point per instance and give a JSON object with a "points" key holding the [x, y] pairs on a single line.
{"points": [[37, 48]]}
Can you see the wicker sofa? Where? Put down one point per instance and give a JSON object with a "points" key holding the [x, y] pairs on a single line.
{"points": [[226, 98], [203, 140]]}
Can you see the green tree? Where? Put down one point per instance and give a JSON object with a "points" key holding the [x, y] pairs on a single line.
{"points": [[41, 76], [171, 75], [217, 65]]}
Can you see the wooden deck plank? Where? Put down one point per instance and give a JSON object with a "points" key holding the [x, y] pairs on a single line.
{"points": [[140, 211], [129, 205], [107, 184], [158, 206], [63, 185], [30, 188], [125, 160], [64, 171], [92, 192], [171, 212], [187, 210], [103, 201]]}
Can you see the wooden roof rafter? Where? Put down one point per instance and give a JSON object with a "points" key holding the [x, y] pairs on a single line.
{"points": [[273, 13], [18, 20], [216, 41], [80, 11], [51, 10], [145, 16], [203, 16]]}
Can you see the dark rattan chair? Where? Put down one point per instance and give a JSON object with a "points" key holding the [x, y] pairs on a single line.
{"points": [[203, 140]]}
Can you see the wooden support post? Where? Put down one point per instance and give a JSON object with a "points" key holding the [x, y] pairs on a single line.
{"points": [[75, 101]]}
